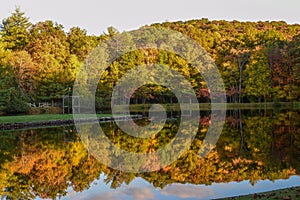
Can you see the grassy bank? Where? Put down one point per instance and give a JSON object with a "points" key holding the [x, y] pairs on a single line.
{"points": [[41, 118], [285, 194]]}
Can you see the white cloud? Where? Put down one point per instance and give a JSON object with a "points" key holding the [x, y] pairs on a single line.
{"points": [[187, 191]]}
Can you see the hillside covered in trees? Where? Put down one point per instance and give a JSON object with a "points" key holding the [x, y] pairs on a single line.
{"points": [[258, 61]]}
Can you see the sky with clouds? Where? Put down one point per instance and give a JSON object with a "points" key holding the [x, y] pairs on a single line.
{"points": [[95, 15], [140, 189]]}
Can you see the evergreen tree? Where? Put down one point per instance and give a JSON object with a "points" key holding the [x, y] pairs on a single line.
{"points": [[80, 43], [14, 30]]}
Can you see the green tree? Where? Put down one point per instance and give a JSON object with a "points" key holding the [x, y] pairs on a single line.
{"points": [[294, 66], [111, 31], [23, 69], [257, 77], [80, 43], [14, 30], [12, 99], [50, 52]]}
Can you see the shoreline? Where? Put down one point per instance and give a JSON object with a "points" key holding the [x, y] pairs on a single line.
{"points": [[62, 122], [42, 120], [284, 194]]}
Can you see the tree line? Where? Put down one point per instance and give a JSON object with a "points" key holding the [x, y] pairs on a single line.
{"points": [[258, 61]]}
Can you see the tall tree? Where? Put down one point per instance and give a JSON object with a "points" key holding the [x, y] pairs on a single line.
{"points": [[14, 30], [24, 70], [50, 52], [111, 31], [294, 58], [257, 76], [80, 43]]}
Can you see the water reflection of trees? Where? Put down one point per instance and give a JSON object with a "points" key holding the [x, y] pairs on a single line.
{"points": [[46, 162]]}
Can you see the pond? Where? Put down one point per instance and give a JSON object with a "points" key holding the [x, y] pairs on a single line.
{"points": [[258, 150]]}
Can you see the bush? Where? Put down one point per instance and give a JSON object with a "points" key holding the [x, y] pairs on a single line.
{"points": [[45, 110], [13, 102]]}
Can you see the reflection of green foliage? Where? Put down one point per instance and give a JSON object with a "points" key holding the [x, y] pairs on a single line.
{"points": [[258, 136], [140, 145], [45, 162]]}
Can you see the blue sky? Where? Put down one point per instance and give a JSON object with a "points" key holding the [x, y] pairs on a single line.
{"points": [[140, 189], [96, 15]]}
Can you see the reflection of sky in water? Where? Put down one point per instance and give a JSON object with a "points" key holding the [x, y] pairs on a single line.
{"points": [[139, 189]]}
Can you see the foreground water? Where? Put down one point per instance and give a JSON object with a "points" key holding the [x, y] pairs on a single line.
{"points": [[257, 151]]}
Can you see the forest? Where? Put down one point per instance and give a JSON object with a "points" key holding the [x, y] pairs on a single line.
{"points": [[258, 61]]}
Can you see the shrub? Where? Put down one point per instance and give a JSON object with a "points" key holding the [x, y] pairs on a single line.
{"points": [[13, 102], [45, 110]]}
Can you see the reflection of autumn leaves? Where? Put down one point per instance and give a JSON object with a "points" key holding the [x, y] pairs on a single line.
{"points": [[49, 166], [51, 171], [205, 121], [153, 162], [44, 163], [86, 172], [25, 163], [192, 169]]}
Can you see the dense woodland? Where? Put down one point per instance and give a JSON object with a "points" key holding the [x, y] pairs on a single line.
{"points": [[258, 61]]}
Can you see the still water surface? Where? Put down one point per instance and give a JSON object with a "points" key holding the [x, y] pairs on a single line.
{"points": [[257, 151]]}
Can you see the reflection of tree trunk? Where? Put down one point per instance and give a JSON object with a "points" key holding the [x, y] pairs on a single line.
{"points": [[21, 143], [291, 130], [273, 142], [242, 146], [291, 138]]}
